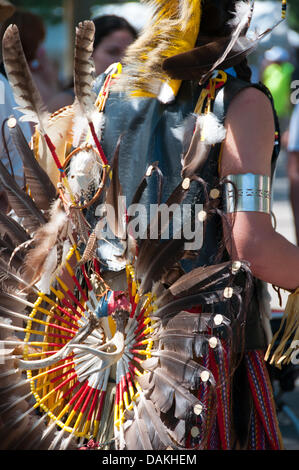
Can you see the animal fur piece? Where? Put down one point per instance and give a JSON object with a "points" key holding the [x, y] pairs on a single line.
{"points": [[80, 128], [173, 29], [25, 91]]}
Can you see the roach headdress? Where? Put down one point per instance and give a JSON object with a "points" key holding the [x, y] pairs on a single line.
{"points": [[222, 41]]}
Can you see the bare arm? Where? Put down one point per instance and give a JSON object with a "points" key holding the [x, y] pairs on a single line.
{"points": [[293, 172], [248, 149]]}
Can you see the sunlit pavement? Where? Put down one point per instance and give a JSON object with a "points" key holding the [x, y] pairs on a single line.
{"points": [[285, 226]]}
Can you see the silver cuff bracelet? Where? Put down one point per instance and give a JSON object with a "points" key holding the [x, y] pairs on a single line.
{"points": [[247, 193]]}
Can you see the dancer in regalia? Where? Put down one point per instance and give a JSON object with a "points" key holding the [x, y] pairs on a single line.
{"points": [[142, 342]]}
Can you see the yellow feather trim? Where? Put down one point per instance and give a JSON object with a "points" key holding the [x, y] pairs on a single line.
{"points": [[173, 29]]}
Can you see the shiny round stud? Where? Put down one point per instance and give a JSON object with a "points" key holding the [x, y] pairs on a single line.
{"points": [[218, 319], [205, 375], [214, 193], [195, 431], [228, 292], [202, 216], [186, 183], [197, 409], [149, 171], [12, 122], [213, 342], [236, 266]]}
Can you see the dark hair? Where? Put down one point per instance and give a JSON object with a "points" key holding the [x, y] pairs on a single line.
{"points": [[32, 31], [107, 24], [215, 16]]}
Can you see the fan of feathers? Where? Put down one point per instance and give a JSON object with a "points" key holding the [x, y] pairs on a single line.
{"points": [[85, 355]]}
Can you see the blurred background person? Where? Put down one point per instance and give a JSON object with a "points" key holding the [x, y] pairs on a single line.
{"points": [[113, 34], [277, 72], [112, 37], [32, 32]]}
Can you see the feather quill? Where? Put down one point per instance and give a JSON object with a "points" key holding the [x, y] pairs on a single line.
{"points": [[25, 91], [199, 277], [116, 210], [185, 343], [165, 256]]}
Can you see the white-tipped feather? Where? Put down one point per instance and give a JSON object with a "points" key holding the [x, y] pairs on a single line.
{"points": [[25, 91]]}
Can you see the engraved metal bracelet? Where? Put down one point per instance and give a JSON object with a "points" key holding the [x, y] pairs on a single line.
{"points": [[247, 193]]}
